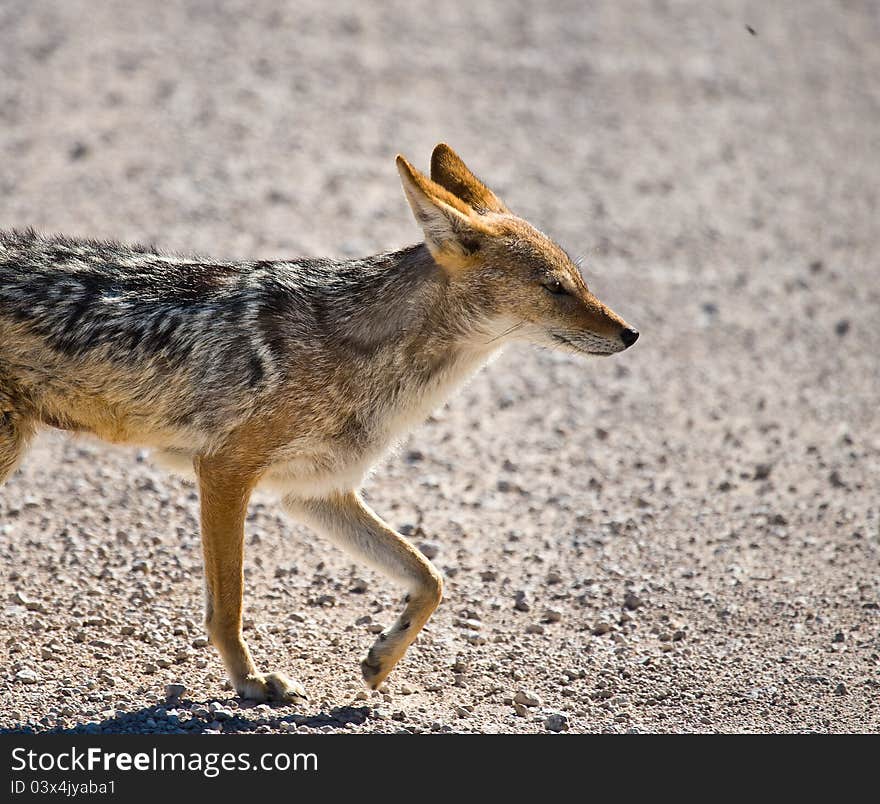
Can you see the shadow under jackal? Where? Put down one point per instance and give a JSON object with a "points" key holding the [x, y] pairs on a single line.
{"points": [[293, 374]]}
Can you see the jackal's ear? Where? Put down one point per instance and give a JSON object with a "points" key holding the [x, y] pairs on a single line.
{"points": [[449, 171], [451, 227]]}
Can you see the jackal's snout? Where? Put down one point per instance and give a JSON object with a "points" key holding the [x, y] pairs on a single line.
{"points": [[629, 336]]}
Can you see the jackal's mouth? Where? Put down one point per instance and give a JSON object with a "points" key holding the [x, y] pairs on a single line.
{"points": [[578, 348]]}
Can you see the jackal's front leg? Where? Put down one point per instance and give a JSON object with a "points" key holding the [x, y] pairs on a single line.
{"points": [[349, 522], [225, 490]]}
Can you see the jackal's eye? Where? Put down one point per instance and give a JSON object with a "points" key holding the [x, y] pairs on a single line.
{"points": [[555, 287]]}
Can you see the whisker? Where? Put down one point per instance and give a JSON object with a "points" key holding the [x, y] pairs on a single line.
{"points": [[506, 332]]}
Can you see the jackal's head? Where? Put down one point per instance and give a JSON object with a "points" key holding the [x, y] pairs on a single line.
{"points": [[516, 280]]}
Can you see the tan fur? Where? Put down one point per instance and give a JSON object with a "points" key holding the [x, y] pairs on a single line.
{"points": [[295, 376], [449, 171]]}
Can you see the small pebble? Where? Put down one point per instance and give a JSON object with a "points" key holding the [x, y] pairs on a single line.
{"points": [[221, 713], [556, 722], [527, 698], [763, 470], [430, 550], [174, 691]]}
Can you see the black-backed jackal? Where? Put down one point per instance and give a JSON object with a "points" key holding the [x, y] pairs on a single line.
{"points": [[293, 374]]}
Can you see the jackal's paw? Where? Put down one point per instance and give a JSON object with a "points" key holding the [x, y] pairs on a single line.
{"points": [[380, 661], [272, 687], [373, 672]]}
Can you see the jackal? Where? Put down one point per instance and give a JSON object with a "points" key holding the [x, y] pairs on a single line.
{"points": [[292, 374]]}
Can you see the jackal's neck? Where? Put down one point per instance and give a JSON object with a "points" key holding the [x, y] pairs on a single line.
{"points": [[416, 336], [405, 304]]}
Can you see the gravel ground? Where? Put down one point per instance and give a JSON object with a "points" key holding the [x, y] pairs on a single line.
{"points": [[682, 538]]}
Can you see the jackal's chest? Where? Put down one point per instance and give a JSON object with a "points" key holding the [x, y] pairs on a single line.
{"points": [[320, 465], [325, 463], [317, 466]]}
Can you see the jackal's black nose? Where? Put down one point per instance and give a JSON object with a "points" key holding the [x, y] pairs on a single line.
{"points": [[629, 337]]}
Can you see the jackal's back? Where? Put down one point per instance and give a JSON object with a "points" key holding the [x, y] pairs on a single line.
{"points": [[150, 341]]}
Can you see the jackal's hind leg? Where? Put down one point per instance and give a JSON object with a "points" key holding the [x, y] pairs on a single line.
{"points": [[353, 526], [224, 497]]}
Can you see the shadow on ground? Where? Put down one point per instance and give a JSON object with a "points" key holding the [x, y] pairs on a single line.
{"points": [[198, 717]]}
